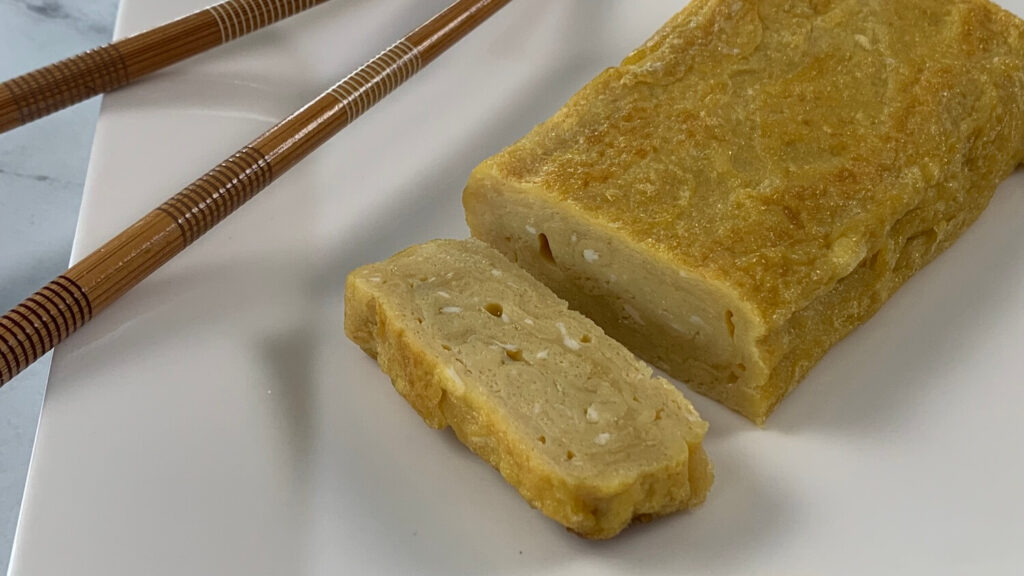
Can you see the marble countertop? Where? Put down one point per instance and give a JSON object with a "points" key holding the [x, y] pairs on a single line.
{"points": [[42, 171]]}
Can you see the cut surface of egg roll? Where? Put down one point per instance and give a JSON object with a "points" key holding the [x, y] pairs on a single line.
{"points": [[571, 419]]}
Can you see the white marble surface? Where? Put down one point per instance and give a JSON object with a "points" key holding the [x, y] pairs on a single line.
{"points": [[42, 170]]}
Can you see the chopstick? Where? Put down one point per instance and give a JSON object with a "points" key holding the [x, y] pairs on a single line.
{"points": [[50, 315], [44, 91]]}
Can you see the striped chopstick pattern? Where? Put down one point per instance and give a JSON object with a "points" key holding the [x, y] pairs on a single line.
{"points": [[219, 192], [70, 300], [394, 66], [80, 77], [42, 320], [237, 18]]}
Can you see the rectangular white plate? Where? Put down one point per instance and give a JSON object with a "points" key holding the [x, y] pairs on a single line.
{"points": [[217, 421]]}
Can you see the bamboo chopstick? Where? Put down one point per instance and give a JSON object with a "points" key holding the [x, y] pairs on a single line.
{"points": [[47, 317], [57, 86]]}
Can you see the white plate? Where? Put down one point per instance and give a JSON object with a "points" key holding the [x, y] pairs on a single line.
{"points": [[217, 421]]}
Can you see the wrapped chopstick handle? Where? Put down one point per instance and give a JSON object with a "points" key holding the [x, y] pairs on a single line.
{"points": [[50, 315], [80, 77], [58, 309], [59, 85]]}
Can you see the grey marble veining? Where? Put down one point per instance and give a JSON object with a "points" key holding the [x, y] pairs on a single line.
{"points": [[86, 16], [42, 171]]}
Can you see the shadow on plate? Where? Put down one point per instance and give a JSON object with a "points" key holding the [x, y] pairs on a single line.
{"points": [[289, 357]]}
